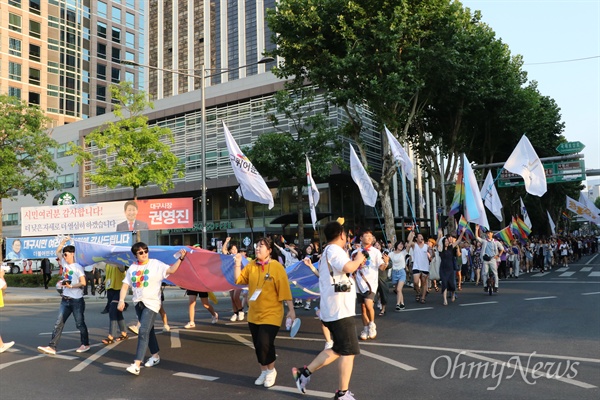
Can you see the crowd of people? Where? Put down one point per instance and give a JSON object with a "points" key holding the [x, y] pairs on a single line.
{"points": [[351, 270]]}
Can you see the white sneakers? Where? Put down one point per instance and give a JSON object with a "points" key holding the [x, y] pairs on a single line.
{"points": [[240, 315], [233, 317], [46, 350], [369, 332], [266, 378], [133, 369], [215, 319], [134, 328], [166, 328], [6, 346], [364, 334], [152, 361], [328, 345], [190, 325], [237, 316]]}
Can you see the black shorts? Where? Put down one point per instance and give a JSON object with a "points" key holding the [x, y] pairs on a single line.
{"points": [[418, 271], [361, 297], [343, 334], [199, 294]]}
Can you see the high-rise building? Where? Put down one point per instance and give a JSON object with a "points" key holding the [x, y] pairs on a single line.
{"points": [[188, 35], [63, 54]]}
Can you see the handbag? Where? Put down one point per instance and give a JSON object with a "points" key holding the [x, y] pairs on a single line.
{"points": [[486, 257]]}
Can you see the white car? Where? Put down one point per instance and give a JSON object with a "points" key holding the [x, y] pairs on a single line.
{"points": [[17, 266]]}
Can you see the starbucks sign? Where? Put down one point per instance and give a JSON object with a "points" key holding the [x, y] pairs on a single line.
{"points": [[64, 199]]}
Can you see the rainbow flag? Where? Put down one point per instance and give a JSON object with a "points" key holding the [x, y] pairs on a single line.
{"points": [[565, 216], [505, 235], [514, 227], [459, 194], [524, 228], [464, 225]]}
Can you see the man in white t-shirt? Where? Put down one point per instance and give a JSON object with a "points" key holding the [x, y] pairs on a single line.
{"points": [[367, 282], [72, 284], [421, 257], [338, 301]]}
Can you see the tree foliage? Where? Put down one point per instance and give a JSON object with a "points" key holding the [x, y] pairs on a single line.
{"points": [[128, 152], [280, 155], [25, 163]]}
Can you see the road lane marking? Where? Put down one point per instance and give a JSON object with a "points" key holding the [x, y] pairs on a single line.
{"points": [[175, 340], [387, 360], [117, 364], [315, 393], [564, 274], [416, 309], [541, 298], [242, 340], [478, 304], [587, 294], [585, 269], [592, 259], [594, 274], [50, 333], [81, 366], [539, 274], [529, 370], [196, 376], [563, 269]]}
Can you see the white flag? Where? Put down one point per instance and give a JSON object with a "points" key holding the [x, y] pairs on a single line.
{"points": [[473, 203], [362, 180], [525, 214], [313, 194], [552, 226], [583, 199], [525, 162], [252, 185], [582, 211], [490, 197], [400, 155]]}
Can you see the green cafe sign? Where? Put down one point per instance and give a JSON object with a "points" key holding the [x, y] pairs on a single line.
{"points": [[210, 226]]}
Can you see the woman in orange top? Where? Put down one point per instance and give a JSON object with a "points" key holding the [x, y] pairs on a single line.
{"points": [[268, 287]]}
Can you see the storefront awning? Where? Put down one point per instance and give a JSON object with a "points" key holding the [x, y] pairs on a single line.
{"points": [[292, 218]]}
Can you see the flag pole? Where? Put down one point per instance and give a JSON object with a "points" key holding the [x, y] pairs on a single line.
{"points": [[382, 230], [247, 215], [407, 197]]}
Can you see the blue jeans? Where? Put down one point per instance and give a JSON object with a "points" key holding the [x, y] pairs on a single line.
{"points": [[77, 308], [117, 325], [146, 336]]}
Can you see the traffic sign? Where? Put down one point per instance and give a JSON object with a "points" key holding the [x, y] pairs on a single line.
{"points": [[570, 147], [556, 172]]}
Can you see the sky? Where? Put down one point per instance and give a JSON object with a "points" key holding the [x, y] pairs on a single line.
{"points": [[547, 31]]}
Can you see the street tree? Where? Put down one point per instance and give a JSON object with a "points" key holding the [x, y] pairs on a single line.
{"points": [[281, 154], [26, 162], [129, 152]]}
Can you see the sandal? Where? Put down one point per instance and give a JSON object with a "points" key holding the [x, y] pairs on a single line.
{"points": [[108, 340], [437, 288], [382, 313], [121, 338], [418, 298], [422, 301]]}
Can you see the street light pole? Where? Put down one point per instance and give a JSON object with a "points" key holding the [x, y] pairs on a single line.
{"points": [[202, 77]]}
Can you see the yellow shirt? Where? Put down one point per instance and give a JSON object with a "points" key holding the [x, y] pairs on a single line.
{"points": [[114, 277], [272, 279]]}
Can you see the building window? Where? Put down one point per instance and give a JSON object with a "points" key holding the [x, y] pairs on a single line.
{"points": [[131, 3], [129, 56], [116, 54], [10, 219], [15, 3], [14, 71], [14, 92], [116, 15], [14, 22], [130, 77], [101, 53], [34, 76], [101, 72], [100, 110], [116, 75], [14, 47], [66, 181], [102, 30], [102, 9], [35, 29], [61, 150], [130, 20], [101, 93], [116, 35], [34, 52], [34, 98], [34, 6], [130, 39]]}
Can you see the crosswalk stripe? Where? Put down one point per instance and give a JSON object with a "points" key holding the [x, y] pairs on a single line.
{"points": [[196, 376], [562, 269], [594, 274], [567, 273], [586, 269]]}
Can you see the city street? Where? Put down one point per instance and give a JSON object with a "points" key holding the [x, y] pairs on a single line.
{"points": [[538, 338]]}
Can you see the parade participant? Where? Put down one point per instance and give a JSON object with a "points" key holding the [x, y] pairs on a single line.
{"points": [[145, 278], [491, 250], [338, 302], [5, 268], [448, 248], [230, 247], [72, 301], [114, 281], [421, 258], [398, 260], [268, 288]]}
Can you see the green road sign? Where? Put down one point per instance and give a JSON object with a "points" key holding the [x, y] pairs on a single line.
{"points": [[556, 172], [570, 147]]}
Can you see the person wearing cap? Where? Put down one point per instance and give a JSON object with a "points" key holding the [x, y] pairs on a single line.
{"points": [[491, 250], [72, 301]]}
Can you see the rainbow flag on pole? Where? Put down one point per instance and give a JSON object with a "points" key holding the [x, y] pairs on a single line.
{"points": [[459, 194], [525, 231], [464, 225], [505, 235]]}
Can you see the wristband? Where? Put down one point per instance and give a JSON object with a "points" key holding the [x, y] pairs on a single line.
{"points": [[181, 259]]}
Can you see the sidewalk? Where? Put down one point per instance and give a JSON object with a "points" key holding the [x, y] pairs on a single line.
{"points": [[22, 295]]}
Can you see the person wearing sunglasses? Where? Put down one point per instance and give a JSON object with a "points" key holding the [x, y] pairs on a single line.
{"points": [[145, 277], [72, 284]]}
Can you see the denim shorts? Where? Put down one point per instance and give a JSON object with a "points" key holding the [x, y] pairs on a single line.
{"points": [[398, 275]]}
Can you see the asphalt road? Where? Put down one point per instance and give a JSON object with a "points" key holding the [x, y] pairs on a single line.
{"points": [[539, 338]]}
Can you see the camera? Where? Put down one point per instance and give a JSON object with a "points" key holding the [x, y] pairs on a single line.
{"points": [[386, 252], [342, 287], [66, 282]]}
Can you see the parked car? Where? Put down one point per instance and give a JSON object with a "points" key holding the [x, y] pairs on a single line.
{"points": [[17, 266]]}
